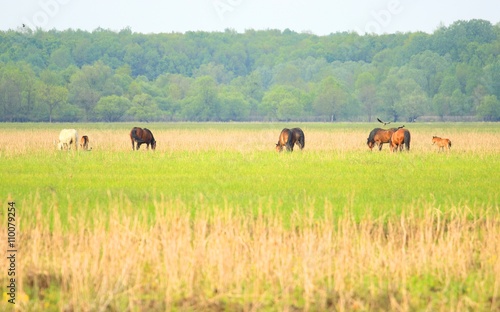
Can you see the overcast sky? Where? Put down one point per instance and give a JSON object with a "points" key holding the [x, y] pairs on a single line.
{"points": [[320, 17]]}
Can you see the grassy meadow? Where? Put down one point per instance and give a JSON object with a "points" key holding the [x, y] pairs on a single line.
{"points": [[215, 219]]}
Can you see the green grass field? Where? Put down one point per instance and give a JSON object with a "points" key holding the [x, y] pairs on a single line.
{"points": [[203, 171]]}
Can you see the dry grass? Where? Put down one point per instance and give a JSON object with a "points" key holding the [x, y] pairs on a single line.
{"points": [[425, 260], [115, 138]]}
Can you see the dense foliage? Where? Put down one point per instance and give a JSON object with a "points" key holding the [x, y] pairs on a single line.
{"points": [[103, 75]]}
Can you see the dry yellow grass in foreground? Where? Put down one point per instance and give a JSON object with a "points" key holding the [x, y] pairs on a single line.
{"points": [[425, 260]]}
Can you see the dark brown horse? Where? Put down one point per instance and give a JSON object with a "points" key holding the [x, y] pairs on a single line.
{"points": [[379, 136], [288, 138], [142, 136], [298, 137], [398, 138]]}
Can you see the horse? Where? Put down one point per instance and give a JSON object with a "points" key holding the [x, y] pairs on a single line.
{"points": [[67, 137], [84, 143], [398, 138], [288, 138], [441, 143], [285, 139], [142, 136], [379, 136], [298, 137]]}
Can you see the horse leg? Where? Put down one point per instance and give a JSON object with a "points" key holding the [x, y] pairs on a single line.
{"points": [[380, 146]]}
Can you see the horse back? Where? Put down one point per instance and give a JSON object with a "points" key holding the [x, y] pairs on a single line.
{"points": [[148, 135]]}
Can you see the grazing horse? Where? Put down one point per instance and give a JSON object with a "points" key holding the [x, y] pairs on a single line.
{"points": [[288, 138], [398, 138], [67, 137], [84, 143], [285, 139], [141, 136], [441, 143], [379, 136], [298, 137]]}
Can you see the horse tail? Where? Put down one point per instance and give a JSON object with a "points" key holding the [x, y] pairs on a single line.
{"points": [[407, 140], [449, 143]]}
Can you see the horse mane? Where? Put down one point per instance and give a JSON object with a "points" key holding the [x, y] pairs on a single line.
{"points": [[371, 136]]}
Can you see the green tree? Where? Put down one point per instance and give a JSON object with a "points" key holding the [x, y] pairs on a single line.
{"points": [[282, 102], [367, 94], [144, 108], [412, 100], [17, 92], [202, 103], [233, 105], [52, 97], [489, 108], [112, 108], [492, 77], [331, 98], [88, 85]]}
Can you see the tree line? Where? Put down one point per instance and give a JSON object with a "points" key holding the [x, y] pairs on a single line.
{"points": [[104, 75]]}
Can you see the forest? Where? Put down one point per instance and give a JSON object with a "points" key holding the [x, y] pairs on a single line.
{"points": [[452, 74]]}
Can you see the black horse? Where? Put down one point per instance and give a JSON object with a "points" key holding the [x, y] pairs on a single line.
{"points": [[142, 136]]}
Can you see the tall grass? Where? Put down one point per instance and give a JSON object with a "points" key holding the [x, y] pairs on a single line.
{"points": [[118, 261]]}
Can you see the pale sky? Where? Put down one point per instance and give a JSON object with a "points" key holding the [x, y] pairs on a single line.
{"points": [[320, 17]]}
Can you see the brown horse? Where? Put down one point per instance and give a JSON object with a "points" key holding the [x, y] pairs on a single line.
{"points": [[398, 138], [441, 143], [379, 136], [288, 138], [84, 143], [285, 139], [142, 136]]}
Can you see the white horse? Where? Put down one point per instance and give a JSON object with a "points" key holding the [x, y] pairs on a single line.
{"points": [[66, 138]]}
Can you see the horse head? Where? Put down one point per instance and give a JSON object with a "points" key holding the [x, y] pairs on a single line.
{"points": [[279, 148]]}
